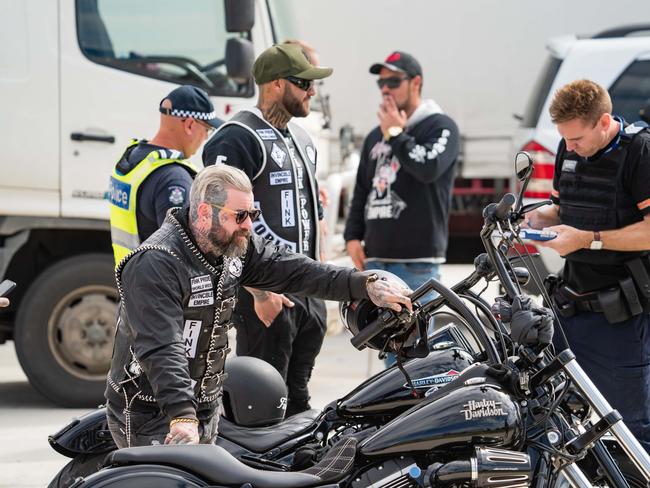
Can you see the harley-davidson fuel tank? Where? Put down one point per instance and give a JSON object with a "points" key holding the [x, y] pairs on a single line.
{"points": [[478, 412]]}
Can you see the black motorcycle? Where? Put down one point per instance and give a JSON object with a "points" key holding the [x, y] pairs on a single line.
{"points": [[269, 441], [521, 417]]}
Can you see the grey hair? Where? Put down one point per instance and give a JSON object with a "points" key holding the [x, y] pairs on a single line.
{"points": [[212, 184]]}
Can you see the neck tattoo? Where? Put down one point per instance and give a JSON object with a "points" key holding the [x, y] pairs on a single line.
{"points": [[202, 237], [276, 115]]}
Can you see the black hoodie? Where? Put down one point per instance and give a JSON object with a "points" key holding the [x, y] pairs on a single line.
{"points": [[401, 200]]}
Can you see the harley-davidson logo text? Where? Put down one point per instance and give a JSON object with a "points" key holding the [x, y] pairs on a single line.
{"points": [[484, 408]]}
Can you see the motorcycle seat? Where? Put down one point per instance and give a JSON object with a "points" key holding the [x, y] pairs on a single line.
{"points": [[216, 466], [262, 439]]}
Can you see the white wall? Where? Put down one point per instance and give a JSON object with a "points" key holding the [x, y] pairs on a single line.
{"points": [[480, 57]]}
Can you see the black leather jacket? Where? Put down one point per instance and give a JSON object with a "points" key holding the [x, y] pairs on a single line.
{"points": [[176, 303]]}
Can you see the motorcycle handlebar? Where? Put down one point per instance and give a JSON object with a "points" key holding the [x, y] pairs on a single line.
{"points": [[499, 211], [371, 330], [386, 319]]}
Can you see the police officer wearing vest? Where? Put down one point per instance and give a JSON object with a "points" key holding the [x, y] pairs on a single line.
{"points": [[177, 292], [601, 213], [153, 176], [280, 159]]}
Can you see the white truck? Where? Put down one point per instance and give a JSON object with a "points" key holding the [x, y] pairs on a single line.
{"points": [[78, 80]]}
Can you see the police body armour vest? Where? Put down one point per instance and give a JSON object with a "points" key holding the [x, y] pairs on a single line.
{"points": [[123, 194], [592, 196], [276, 184]]}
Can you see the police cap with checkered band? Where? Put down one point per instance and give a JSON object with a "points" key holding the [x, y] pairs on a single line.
{"points": [[189, 101]]}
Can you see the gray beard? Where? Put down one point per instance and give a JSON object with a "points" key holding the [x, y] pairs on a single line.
{"points": [[232, 248]]}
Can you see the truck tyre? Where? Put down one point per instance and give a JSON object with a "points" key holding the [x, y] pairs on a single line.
{"points": [[65, 328]]}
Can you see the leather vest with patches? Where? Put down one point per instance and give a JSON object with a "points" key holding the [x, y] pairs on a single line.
{"points": [[275, 186], [593, 197], [208, 297]]}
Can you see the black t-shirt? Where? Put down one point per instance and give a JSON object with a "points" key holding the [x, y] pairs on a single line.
{"points": [[584, 276], [167, 187]]}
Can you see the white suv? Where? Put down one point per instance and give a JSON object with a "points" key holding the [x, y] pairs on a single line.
{"points": [[619, 60]]}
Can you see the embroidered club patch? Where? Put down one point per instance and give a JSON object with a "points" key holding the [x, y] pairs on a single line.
{"points": [[200, 283], [280, 178], [191, 333], [201, 299], [288, 216], [266, 134], [311, 154], [278, 155], [235, 267]]}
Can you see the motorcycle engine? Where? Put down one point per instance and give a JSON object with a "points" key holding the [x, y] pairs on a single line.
{"points": [[401, 472]]}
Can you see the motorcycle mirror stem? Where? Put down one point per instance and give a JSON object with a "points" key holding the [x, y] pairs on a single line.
{"points": [[524, 171]]}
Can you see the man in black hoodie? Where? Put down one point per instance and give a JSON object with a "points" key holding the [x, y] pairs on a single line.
{"points": [[401, 200]]}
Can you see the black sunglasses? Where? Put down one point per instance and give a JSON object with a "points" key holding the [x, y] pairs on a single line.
{"points": [[301, 83], [391, 82], [240, 215]]}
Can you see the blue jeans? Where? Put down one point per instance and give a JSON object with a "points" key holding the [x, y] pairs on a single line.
{"points": [[414, 275]]}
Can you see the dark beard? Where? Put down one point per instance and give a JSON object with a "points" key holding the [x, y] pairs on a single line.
{"points": [[293, 105]]}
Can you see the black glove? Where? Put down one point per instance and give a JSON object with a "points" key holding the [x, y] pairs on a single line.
{"points": [[531, 325]]}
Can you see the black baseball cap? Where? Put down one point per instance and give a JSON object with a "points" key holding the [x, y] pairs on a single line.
{"points": [[399, 61], [190, 101], [282, 60]]}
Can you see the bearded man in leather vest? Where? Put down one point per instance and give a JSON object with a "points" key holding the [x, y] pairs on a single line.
{"points": [[279, 157], [177, 294], [601, 213]]}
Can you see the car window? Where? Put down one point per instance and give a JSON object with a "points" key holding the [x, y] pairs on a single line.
{"points": [[540, 91], [631, 91], [184, 42]]}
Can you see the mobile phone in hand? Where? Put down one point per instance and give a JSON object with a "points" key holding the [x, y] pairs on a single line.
{"points": [[5, 287]]}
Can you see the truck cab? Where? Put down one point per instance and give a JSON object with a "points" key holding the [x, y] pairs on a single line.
{"points": [[78, 80]]}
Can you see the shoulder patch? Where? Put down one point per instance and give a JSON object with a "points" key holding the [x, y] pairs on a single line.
{"points": [[634, 129], [176, 195]]}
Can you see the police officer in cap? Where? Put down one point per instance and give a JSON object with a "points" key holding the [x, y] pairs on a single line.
{"points": [[601, 213], [153, 176], [279, 157]]}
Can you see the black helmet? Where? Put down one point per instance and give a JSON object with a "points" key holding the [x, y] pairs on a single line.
{"points": [[254, 393], [356, 314]]}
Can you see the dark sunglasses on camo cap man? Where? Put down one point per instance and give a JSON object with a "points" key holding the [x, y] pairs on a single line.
{"points": [[301, 83]]}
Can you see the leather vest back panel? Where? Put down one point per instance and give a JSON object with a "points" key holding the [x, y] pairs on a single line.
{"points": [[275, 186]]}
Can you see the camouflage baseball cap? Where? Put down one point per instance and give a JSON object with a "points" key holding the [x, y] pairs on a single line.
{"points": [[282, 60]]}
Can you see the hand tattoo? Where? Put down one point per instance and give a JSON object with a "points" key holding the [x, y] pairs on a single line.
{"points": [[389, 294]]}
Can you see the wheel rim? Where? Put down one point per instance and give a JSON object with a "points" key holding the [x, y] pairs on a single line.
{"points": [[81, 331]]}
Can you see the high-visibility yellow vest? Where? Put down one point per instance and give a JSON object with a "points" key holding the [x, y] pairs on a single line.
{"points": [[123, 191]]}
